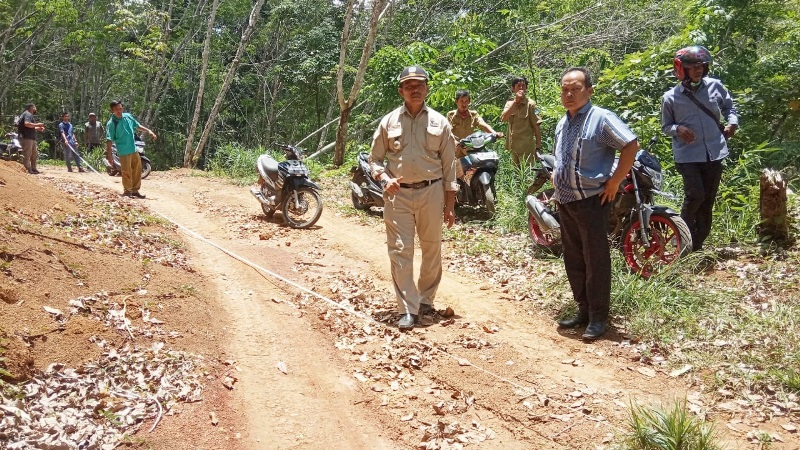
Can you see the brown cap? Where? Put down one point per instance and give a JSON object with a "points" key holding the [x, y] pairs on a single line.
{"points": [[413, 73]]}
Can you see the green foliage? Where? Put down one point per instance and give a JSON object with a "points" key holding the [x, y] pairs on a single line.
{"points": [[234, 161], [669, 429]]}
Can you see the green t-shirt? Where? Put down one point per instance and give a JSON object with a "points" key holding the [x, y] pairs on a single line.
{"points": [[120, 131]]}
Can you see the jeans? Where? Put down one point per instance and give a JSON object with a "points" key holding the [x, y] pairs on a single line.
{"points": [[700, 186], [71, 155]]}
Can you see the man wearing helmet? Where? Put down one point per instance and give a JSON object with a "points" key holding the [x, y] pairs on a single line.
{"points": [[691, 114]]}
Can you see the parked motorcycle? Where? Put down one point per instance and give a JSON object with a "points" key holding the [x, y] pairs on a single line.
{"points": [[147, 167], [365, 192], [12, 150], [476, 187], [663, 239], [286, 186]]}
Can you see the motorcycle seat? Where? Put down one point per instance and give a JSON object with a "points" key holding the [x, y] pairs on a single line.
{"points": [[267, 166]]}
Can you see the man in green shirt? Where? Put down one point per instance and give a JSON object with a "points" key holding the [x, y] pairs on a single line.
{"points": [[120, 130]]}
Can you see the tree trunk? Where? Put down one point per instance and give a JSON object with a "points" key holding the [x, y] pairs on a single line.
{"points": [[774, 224], [346, 104], [341, 135], [198, 104], [237, 60]]}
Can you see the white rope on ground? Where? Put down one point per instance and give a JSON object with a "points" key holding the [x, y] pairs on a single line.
{"points": [[334, 304]]}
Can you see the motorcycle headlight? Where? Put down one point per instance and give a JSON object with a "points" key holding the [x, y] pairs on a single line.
{"points": [[656, 177]]}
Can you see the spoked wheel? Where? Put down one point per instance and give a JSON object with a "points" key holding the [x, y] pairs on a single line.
{"points": [[269, 211], [357, 202], [306, 211], [489, 199], [547, 240], [669, 240], [146, 169]]}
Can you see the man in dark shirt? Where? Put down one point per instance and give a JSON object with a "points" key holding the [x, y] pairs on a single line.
{"points": [[27, 127]]}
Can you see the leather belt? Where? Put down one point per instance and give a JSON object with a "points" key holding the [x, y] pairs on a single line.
{"points": [[420, 184]]}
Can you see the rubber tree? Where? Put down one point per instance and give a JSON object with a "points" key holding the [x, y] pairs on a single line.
{"points": [[346, 103]]}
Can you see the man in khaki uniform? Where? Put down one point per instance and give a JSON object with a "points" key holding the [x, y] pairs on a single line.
{"points": [[524, 133], [464, 121], [413, 157]]}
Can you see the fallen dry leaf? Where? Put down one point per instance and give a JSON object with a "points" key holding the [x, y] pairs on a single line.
{"points": [[282, 367]]}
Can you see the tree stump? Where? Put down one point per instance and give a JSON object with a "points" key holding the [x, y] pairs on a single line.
{"points": [[774, 224]]}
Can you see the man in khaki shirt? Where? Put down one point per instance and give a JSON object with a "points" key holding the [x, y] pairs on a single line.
{"points": [[413, 157], [524, 133], [464, 121]]}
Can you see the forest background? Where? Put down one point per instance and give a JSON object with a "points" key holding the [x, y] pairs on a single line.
{"points": [[210, 76]]}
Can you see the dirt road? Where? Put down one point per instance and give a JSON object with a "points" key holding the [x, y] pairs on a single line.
{"points": [[330, 370]]}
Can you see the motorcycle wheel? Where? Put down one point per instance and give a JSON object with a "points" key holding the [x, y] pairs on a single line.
{"points": [[307, 212], [669, 240], [269, 211], [488, 198], [146, 169], [549, 240], [357, 202]]}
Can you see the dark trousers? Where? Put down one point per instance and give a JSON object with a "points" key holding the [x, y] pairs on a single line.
{"points": [[700, 186], [587, 257]]}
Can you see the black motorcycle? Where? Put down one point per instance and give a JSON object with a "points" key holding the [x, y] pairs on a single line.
{"points": [[11, 151], [114, 170], [286, 186], [365, 192], [476, 186], [664, 238]]}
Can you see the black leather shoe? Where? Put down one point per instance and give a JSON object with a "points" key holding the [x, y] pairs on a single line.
{"points": [[136, 194], [573, 322], [425, 309], [594, 330], [406, 321]]}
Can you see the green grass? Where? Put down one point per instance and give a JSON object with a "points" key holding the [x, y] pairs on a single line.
{"points": [[668, 429]]}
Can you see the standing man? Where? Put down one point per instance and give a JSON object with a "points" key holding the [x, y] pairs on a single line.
{"points": [[587, 139], [120, 130], [413, 157], [93, 133], [524, 131], [690, 114], [27, 128], [67, 132]]}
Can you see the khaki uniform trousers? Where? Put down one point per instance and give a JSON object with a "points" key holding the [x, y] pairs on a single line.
{"points": [[411, 210], [131, 168]]}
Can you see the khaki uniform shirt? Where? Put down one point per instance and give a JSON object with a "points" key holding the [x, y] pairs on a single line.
{"points": [[95, 134], [416, 148], [464, 126], [523, 126]]}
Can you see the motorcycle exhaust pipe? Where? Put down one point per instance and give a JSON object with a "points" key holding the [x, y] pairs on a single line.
{"points": [[260, 197], [541, 213]]}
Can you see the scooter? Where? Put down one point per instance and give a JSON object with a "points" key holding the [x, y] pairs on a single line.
{"points": [[114, 170], [11, 151], [286, 186], [365, 192], [476, 187]]}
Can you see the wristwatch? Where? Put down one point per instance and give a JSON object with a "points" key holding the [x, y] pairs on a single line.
{"points": [[384, 182]]}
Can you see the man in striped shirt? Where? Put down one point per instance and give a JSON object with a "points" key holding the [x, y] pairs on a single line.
{"points": [[587, 139]]}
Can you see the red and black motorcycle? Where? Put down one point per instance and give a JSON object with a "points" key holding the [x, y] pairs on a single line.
{"points": [[648, 235]]}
